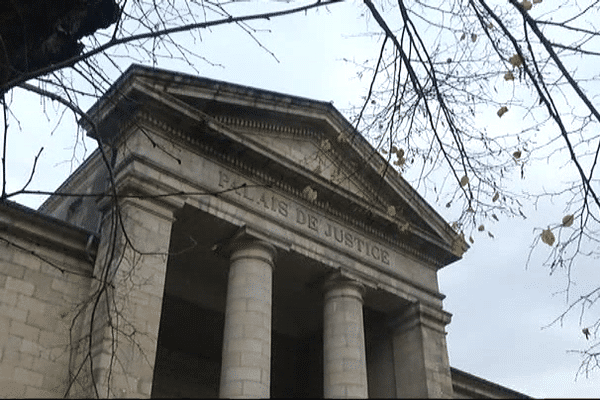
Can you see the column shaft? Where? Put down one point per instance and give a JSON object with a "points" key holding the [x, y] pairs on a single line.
{"points": [[246, 364], [344, 362]]}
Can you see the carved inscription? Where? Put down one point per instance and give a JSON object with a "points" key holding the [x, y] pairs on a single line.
{"points": [[320, 226]]}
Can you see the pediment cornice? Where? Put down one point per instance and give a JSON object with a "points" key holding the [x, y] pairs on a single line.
{"points": [[266, 177], [256, 125], [194, 104]]}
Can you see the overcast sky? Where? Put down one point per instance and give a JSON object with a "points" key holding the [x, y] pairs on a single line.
{"points": [[499, 306]]}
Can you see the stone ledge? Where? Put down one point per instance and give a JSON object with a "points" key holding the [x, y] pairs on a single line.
{"points": [[42, 230]]}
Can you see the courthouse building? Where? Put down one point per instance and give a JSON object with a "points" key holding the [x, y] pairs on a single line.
{"points": [[261, 248]]}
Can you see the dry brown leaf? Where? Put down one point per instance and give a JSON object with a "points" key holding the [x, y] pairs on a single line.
{"points": [[568, 220], [548, 237], [391, 211], [310, 193], [502, 111], [515, 60], [404, 227], [464, 181]]}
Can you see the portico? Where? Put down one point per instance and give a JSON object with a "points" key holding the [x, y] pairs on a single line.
{"points": [[295, 266], [315, 344]]}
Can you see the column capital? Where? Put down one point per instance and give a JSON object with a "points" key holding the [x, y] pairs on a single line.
{"points": [[336, 284], [244, 245], [420, 314]]}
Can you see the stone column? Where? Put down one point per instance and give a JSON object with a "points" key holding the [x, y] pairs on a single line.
{"points": [[246, 364], [344, 361], [420, 354]]}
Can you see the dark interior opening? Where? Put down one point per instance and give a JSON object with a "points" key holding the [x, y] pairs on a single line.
{"points": [[190, 340]]}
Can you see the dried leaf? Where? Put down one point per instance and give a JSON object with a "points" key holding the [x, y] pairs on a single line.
{"points": [[342, 138], [537, 1], [568, 220], [496, 196], [473, 37], [515, 60], [481, 228], [404, 227], [526, 4], [459, 246], [464, 181], [391, 211], [310, 193], [471, 239], [517, 154], [495, 217], [502, 111], [491, 26], [464, 35], [548, 237], [509, 76]]}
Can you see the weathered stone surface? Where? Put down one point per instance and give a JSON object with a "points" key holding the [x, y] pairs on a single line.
{"points": [[246, 366], [234, 206], [345, 369]]}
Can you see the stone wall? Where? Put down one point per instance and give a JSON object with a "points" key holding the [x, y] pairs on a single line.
{"points": [[467, 386], [44, 277]]}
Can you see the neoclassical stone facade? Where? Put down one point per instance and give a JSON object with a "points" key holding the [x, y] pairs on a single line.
{"points": [[251, 246]]}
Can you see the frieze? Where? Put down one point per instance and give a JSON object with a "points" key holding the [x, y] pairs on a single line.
{"points": [[294, 213]]}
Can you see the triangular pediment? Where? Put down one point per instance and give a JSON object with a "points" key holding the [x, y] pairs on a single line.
{"points": [[303, 142], [313, 151]]}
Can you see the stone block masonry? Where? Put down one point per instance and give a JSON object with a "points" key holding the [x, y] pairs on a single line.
{"points": [[345, 369], [37, 304], [246, 365]]}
